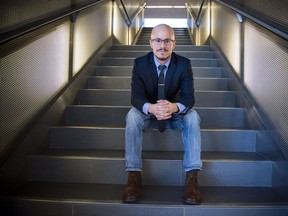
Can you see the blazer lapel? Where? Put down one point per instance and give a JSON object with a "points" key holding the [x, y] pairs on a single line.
{"points": [[153, 70], [170, 72]]}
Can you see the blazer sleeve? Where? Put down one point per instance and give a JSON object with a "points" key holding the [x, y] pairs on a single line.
{"points": [[187, 86], [142, 85], [180, 86]]}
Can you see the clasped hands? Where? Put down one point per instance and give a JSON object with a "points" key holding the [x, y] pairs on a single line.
{"points": [[163, 109]]}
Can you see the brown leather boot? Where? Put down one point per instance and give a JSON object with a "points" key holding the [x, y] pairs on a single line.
{"points": [[192, 194], [132, 192]]}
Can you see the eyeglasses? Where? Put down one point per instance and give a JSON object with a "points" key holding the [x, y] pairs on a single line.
{"points": [[166, 41]]}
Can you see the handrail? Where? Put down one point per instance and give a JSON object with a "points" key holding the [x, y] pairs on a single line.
{"points": [[196, 17], [190, 11], [200, 11], [126, 13], [130, 19], [138, 11], [256, 20], [12, 34]]}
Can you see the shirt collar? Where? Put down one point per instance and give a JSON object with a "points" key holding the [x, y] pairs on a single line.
{"points": [[166, 63]]}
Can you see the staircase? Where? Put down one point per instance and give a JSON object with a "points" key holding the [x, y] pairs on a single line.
{"points": [[181, 35], [82, 173]]}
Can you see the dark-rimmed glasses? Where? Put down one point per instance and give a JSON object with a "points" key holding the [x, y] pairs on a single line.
{"points": [[166, 41]]}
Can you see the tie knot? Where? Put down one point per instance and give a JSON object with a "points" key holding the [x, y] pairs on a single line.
{"points": [[162, 67]]}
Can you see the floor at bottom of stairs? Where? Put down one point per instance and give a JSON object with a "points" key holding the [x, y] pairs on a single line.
{"points": [[70, 198], [172, 195]]}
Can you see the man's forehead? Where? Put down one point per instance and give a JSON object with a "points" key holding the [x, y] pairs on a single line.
{"points": [[162, 32]]}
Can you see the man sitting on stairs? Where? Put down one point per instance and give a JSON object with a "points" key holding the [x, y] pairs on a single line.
{"points": [[162, 97]]}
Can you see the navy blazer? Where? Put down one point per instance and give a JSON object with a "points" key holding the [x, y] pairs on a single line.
{"points": [[179, 86]]}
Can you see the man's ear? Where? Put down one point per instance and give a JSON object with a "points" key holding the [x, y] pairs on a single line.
{"points": [[151, 44], [174, 44]]}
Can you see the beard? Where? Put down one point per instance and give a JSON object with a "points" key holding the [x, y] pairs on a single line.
{"points": [[160, 57]]}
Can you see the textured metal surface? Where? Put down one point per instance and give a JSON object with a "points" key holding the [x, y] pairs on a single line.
{"points": [[274, 12], [87, 37], [225, 31], [29, 78], [17, 12], [266, 67]]}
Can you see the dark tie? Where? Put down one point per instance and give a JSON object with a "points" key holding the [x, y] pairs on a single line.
{"points": [[161, 94]]}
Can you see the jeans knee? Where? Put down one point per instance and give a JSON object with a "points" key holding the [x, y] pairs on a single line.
{"points": [[133, 118], [192, 118]]}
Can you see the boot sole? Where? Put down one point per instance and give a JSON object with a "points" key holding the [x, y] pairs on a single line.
{"points": [[190, 202]]}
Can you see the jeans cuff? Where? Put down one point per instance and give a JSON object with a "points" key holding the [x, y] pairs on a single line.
{"points": [[133, 170]]}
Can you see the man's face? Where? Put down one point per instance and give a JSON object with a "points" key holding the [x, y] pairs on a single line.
{"points": [[162, 42]]}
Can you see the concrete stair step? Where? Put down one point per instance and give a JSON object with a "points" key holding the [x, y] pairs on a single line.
{"points": [[212, 72], [112, 116], [179, 42], [177, 34], [147, 47], [217, 140], [114, 97], [178, 37], [195, 62], [80, 199], [96, 166], [138, 53], [109, 82]]}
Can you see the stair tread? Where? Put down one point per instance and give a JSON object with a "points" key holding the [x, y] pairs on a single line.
{"points": [[129, 90], [121, 106], [128, 77], [156, 130], [180, 51], [188, 47], [157, 195], [201, 58], [131, 67], [115, 71], [151, 155]]}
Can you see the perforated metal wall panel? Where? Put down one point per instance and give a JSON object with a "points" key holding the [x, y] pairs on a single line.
{"points": [[87, 36], [272, 11], [29, 77], [225, 31], [204, 26], [265, 62], [16, 12], [266, 75]]}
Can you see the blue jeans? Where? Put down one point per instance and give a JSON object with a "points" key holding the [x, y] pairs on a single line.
{"points": [[189, 123]]}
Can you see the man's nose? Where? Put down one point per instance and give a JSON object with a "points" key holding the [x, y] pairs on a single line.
{"points": [[162, 43]]}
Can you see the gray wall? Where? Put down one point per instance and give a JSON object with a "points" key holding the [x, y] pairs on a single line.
{"points": [[259, 59], [38, 82], [265, 64], [165, 12]]}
